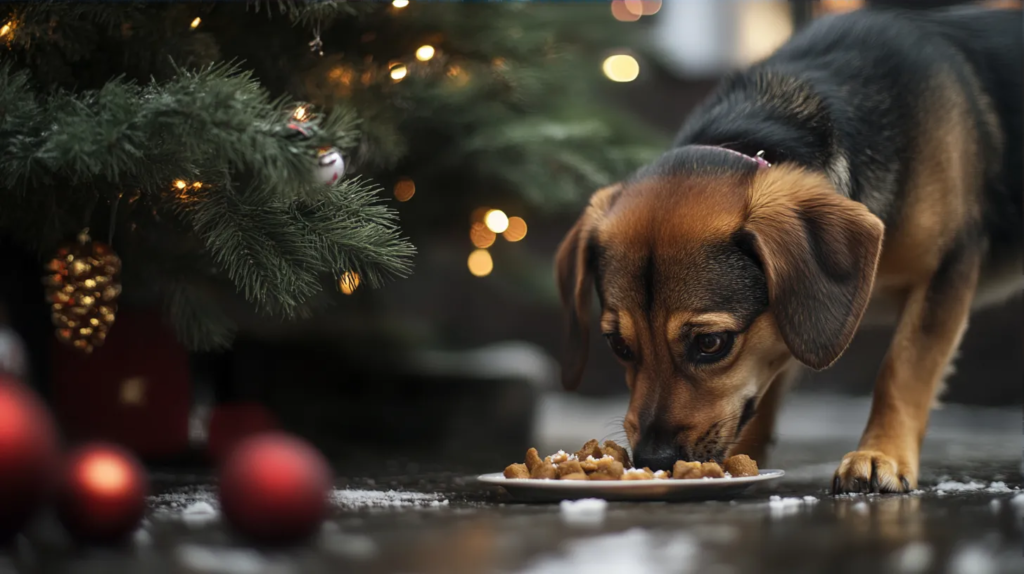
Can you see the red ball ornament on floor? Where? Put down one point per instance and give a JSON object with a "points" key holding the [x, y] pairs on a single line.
{"points": [[103, 493], [274, 488], [28, 455]]}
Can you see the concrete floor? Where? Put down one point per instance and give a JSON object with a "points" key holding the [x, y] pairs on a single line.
{"points": [[968, 516]]}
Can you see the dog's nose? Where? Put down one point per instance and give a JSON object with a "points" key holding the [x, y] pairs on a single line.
{"points": [[658, 454]]}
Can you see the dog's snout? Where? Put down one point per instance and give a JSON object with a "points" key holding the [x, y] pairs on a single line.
{"points": [[659, 450], [660, 459]]}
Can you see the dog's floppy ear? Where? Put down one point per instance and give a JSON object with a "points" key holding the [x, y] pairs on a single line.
{"points": [[575, 275], [819, 251]]}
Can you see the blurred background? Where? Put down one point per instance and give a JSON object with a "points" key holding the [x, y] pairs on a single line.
{"points": [[486, 128]]}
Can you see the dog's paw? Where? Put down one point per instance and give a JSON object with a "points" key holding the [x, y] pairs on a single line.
{"points": [[874, 471]]}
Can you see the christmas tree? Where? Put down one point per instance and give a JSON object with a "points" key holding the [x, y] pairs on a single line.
{"points": [[248, 152]]}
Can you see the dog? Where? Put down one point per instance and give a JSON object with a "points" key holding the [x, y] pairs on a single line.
{"points": [[870, 169]]}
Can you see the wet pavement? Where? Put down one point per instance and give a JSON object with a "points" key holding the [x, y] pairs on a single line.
{"points": [[967, 517]]}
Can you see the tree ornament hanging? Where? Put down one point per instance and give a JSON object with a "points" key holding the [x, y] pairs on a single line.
{"points": [[330, 165], [82, 285]]}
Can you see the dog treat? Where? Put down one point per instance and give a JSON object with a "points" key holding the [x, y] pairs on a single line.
{"points": [[612, 462], [570, 467], [517, 470], [638, 474], [612, 449], [533, 459], [740, 465], [591, 448], [544, 470], [711, 470]]}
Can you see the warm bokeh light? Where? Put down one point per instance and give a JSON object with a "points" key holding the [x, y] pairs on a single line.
{"points": [[480, 263], [481, 236], [405, 189], [400, 3], [105, 474], [621, 68], [650, 7], [496, 220], [300, 113], [180, 184], [516, 229], [477, 216], [763, 27], [398, 72], [823, 7], [197, 184], [195, 23], [424, 52], [349, 282], [621, 11], [5, 29]]}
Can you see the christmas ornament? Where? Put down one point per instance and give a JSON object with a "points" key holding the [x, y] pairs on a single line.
{"points": [[274, 487], [102, 494], [232, 424], [330, 165], [82, 286], [28, 455]]}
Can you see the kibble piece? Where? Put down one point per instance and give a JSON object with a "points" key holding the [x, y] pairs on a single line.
{"points": [[610, 466], [517, 470], [560, 457], [602, 476], [685, 469], [576, 476], [638, 474], [589, 464], [570, 467], [591, 448], [711, 470], [544, 470], [617, 452], [662, 475], [741, 465], [533, 459]]}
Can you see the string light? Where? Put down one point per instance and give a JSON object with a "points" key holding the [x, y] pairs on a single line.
{"points": [[398, 72], [621, 68], [496, 220], [621, 11], [400, 4], [195, 23], [424, 52], [516, 229], [405, 189], [481, 236], [180, 184], [5, 29], [480, 263], [349, 282], [300, 113]]}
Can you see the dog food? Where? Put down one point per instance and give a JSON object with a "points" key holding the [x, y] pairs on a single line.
{"points": [[609, 461]]}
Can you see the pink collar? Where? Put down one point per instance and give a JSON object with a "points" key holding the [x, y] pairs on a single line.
{"points": [[758, 159]]}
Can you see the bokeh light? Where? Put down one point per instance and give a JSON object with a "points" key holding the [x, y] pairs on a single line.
{"points": [[650, 7], [349, 282], [300, 113], [195, 23], [398, 72], [480, 263], [5, 29], [621, 11], [405, 189], [478, 215], [105, 474], [621, 68], [481, 236], [424, 52], [496, 220], [516, 229], [180, 184], [400, 3]]}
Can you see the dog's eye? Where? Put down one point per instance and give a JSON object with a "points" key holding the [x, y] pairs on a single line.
{"points": [[619, 346], [711, 347]]}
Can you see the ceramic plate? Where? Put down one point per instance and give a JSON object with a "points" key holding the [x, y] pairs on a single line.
{"points": [[529, 490]]}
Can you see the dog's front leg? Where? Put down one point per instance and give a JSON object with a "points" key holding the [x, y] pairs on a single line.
{"points": [[933, 318]]}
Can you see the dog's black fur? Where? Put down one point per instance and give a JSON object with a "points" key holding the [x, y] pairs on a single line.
{"points": [[845, 96]]}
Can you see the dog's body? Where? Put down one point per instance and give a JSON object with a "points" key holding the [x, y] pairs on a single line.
{"points": [[756, 244]]}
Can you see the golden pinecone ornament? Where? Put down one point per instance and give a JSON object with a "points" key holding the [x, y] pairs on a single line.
{"points": [[82, 285]]}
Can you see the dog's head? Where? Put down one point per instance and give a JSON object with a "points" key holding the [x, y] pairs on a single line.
{"points": [[713, 273]]}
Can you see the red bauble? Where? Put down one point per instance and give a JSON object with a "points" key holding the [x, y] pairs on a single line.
{"points": [[103, 493], [28, 455], [231, 424], [274, 488]]}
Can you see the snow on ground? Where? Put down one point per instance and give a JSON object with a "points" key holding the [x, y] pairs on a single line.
{"points": [[956, 487], [217, 560], [588, 511], [634, 551], [779, 507], [913, 558], [351, 499]]}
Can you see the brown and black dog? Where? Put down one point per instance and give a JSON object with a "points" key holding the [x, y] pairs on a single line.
{"points": [[874, 158]]}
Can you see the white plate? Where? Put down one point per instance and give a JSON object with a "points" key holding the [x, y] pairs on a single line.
{"points": [[531, 490]]}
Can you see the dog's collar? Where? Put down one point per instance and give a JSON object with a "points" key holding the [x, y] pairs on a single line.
{"points": [[758, 158]]}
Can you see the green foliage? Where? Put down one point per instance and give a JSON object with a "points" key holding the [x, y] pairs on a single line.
{"points": [[104, 106]]}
